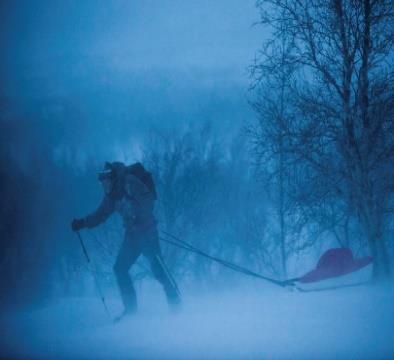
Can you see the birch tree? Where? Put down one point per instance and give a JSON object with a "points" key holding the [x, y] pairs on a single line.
{"points": [[342, 102]]}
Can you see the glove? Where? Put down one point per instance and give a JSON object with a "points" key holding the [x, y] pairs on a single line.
{"points": [[77, 224]]}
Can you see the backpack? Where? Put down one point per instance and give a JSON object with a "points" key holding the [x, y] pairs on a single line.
{"points": [[143, 175]]}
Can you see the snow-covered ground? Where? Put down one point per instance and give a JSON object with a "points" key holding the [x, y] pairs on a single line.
{"points": [[255, 321]]}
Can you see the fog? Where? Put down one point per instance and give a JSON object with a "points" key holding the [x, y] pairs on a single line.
{"points": [[168, 84]]}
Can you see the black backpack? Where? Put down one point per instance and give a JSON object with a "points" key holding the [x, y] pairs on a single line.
{"points": [[144, 176]]}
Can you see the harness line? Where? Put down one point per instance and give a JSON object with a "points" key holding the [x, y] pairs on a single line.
{"points": [[188, 247]]}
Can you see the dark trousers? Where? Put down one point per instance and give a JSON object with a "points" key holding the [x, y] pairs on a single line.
{"points": [[142, 241]]}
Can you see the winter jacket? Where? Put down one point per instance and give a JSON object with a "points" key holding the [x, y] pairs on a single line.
{"points": [[135, 206]]}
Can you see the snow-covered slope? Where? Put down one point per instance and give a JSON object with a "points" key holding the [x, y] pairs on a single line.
{"points": [[251, 322]]}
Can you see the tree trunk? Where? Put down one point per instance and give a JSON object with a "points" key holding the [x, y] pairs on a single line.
{"points": [[378, 248]]}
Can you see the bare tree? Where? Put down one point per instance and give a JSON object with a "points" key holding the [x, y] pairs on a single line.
{"points": [[207, 197], [342, 102]]}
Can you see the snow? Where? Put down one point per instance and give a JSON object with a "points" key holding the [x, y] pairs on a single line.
{"points": [[253, 321], [361, 276]]}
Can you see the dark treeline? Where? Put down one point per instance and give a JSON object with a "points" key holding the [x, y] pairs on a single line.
{"points": [[311, 169]]}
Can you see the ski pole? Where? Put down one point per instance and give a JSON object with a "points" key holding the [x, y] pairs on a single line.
{"points": [[99, 291], [83, 247]]}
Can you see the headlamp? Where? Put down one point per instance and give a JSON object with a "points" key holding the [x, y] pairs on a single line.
{"points": [[105, 175]]}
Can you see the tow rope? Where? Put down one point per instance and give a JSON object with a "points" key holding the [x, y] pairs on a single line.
{"points": [[188, 247]]}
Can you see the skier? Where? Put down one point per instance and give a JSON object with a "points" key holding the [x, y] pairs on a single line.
{"points": [[130, 191]]}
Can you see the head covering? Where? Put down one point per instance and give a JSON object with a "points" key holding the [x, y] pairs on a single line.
{"points": [[106, 173], [114, 171]]}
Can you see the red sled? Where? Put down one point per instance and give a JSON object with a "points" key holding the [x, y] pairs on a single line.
{"points": [[336, 268]]}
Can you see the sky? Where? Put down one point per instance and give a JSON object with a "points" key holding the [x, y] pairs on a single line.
{"points": [[104, 74], [56, 47]]}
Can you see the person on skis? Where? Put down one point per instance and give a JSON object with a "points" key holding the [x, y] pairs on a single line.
{"points": [[130, 191]]}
